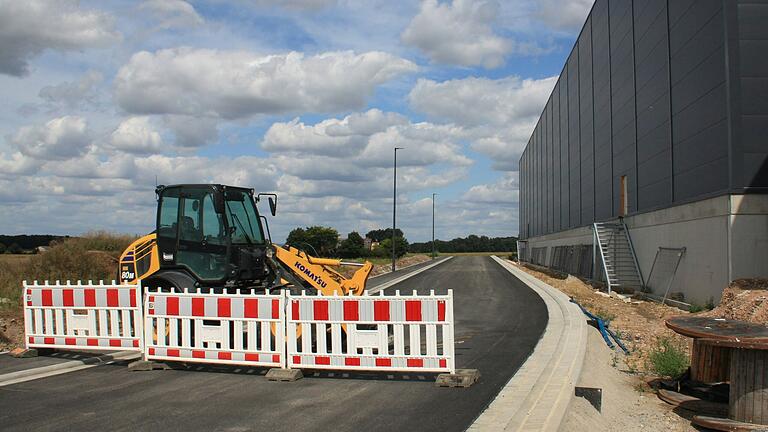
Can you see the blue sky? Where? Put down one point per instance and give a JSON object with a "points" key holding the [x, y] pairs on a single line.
{"points": [[305, 98]]}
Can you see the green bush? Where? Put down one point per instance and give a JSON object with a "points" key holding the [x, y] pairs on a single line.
{"points": [[668, 359], [91, 257]]}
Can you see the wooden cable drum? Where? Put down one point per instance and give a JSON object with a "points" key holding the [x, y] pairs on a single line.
{"points": [[710, 363]]}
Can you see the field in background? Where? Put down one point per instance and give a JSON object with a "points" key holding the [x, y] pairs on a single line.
{"points": [[93, 256]]}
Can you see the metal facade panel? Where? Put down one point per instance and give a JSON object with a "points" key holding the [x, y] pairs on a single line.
{"points": [[644, 94], [586, 125], [574, 148], [565, 162]]}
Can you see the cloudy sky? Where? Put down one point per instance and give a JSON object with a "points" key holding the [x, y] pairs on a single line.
{"points": [[306, 98]]}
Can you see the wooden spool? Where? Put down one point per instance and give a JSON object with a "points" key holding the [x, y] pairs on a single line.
{"points": [[748, 398], [710, 363]]}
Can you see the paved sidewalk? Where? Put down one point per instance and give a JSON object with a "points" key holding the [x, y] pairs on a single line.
{"points": [[538, 395]]}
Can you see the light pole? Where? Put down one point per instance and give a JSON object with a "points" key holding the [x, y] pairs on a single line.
{"points": [[394, 207], [433, 225]]}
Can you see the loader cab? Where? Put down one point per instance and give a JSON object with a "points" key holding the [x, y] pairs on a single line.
{"points": [[212, 233]]}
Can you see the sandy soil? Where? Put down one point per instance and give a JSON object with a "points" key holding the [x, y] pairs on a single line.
{"points": [[627, 404], [638, 323]]}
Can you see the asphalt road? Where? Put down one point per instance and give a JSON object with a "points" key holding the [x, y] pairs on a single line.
{"points": [[498, 322]]}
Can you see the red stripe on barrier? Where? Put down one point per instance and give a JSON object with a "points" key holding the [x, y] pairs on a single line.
{"points": [[352, 361], [322, 360], [413, 310], [441, 310], [31, 340], [90, 297], [275, 309], [442, 363], [115, 342], [351, 310], [415, 362], [251, 357], [297, 359], [225, 355], [381, 310], [70, 341], [113, 299], [295, 310], [133, 297], [198, 306], [49, 341], [275, 357], [384, 362], [224, 307], [251, 308], [92, 342], [136, 343], [47, 297], [171, 305], [198, 354], [68, 297], [151, 351], [320, 309], [172, 353]]}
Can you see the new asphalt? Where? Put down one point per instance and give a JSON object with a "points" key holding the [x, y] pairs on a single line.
{"points": [[498, 322]]}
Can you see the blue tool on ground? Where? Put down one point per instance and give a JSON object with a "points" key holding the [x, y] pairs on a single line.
{"points": [[603, 327]]}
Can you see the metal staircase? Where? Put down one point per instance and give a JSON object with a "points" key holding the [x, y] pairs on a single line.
{"points": [[618, 256]]}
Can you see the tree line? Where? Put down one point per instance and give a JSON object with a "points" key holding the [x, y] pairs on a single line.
{"points": [[324, 242], [471, 243]]}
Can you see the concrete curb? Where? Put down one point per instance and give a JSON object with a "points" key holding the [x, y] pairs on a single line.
{"points": [[64, 367], [538, 395], [396, 281]]}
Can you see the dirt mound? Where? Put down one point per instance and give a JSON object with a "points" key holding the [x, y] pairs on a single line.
{"points": [[745, 300]]}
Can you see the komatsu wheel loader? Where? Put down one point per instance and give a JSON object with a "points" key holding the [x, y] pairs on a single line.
{"points": [[212, 237]]}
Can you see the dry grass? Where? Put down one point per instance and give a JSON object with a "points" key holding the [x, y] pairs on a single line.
{"points": [[93, 256]]}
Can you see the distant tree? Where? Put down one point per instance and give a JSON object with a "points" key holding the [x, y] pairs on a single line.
{"points": [[384, 249], [471, 243], [381, 234], [353, 246], [14, 249], [323, 240], [2, 248]]}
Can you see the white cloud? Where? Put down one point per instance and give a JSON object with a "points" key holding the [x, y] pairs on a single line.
{"points": [[505, 191], [458, 33], [191, 131], [137, 135], [173, 13], [564, 15], [72, 94], [297, 4], [239, 84], [29, 27], [498, 115], [59, 139]]}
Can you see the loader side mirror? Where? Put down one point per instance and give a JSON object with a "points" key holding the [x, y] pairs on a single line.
{"points": [[272, 206]]}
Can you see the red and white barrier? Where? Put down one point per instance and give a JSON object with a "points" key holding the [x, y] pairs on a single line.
{"points": [[387, 333], [76, 316], [244, 329]]}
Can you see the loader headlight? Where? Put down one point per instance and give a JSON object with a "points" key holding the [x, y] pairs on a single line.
{"points": [[270, 252]]}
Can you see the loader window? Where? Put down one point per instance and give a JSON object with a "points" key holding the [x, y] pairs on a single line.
{"points": [[169, 213], [242, 217]]}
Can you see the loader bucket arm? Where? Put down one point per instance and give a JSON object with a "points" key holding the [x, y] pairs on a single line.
{"points": [[317, 272]]}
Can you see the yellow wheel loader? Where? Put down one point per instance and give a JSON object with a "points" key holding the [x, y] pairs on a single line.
{"points": [[212, 237]]}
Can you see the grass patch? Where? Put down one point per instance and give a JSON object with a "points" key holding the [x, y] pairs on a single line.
{"points": [[91, 257], [668, 359]]}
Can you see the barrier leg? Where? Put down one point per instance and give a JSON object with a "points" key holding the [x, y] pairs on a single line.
{"points": [[461, 378]]}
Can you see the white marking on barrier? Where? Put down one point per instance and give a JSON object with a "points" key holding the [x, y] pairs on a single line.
{"points": [[191, 326], [65, 316], [375, 332]]}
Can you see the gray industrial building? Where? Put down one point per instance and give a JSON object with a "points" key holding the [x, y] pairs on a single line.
{"points": [[656, 131]]}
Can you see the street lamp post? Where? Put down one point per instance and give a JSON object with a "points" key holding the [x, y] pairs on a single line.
{"points": [[433, 225], [394, 207]]}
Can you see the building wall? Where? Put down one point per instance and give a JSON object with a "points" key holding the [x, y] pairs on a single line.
{"points": [[725, 237], [672, 94]]}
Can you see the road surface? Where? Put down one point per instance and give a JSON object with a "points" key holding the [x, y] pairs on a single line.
{"points": [[498, 321]]}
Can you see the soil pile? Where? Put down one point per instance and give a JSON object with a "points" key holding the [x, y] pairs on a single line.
{"points": [[745, 300]]}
